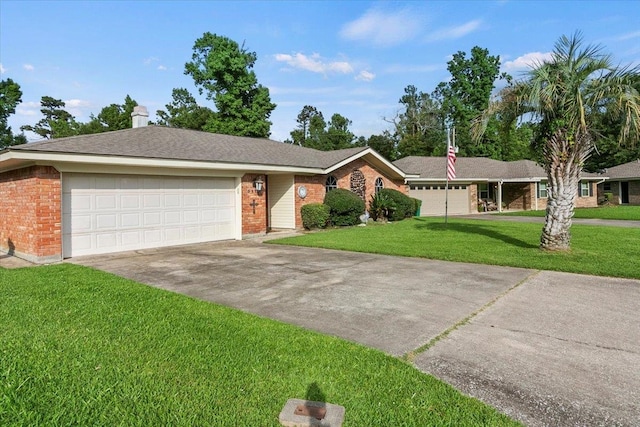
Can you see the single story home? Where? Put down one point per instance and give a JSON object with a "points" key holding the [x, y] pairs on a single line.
{"points": [[623, 184], [485, 184], [153, 186]]}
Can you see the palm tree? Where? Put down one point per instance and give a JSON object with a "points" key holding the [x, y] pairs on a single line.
{"points": [[564, 95]]}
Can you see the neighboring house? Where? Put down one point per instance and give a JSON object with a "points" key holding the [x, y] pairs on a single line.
{"points": [[623, 184], [154, 186], [484, 184]]}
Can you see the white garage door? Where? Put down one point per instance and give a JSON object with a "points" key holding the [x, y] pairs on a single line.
{"points": [[433, 198], [111, 213]]}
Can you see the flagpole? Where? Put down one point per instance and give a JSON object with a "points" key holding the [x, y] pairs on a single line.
{"points": [[446, 173]]}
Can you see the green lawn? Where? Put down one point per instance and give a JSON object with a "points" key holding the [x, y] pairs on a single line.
{"points": [[597, 250], [631, 213], [83, 347]]}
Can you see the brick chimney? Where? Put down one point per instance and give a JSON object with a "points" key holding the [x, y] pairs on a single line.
{"points": [[139, 117]]}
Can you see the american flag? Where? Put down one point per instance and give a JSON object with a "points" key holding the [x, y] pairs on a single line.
{"points": [[451, 163]]}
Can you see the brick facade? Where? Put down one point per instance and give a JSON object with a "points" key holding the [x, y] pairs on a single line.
{"points": [[31, 213], [254, 218], [315, 184]]}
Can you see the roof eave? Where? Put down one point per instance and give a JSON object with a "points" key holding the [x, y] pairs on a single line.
{"points": [[14, 159], [373, 157]]}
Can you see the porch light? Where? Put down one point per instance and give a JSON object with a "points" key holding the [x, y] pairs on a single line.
{"points": [[258, 183]]}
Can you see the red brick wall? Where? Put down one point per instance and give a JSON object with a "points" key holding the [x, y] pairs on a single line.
{"points": [[31, 212], [253, 223], [316, 184]]}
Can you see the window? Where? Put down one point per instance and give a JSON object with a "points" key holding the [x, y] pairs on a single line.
{"points": [[331, 183], [485, 191], [607, 186], [585, 189], [379, 185], [542, 190]]}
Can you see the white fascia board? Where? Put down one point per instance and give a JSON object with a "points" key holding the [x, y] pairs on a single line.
{"points": [[71, 162], [362, 153], [461, 180]]}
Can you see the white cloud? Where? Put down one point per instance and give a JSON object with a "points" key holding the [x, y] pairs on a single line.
{"points": [[77, 103], [2, 69], [526, 61], [28, 67], [383, 28], [629, 36], [365, 76], [314, 63], [150, 60], [455, 32], [162, 68], [28, 109]]}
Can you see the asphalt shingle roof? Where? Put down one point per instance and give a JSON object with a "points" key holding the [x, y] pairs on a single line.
{"points": [[480, 168], [629, 170], [160, 142], [470, 168]]}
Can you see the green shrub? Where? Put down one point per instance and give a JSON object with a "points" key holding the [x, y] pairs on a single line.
{"points": [[314, 215], [381, 207], [404, 205], [345, 207]]}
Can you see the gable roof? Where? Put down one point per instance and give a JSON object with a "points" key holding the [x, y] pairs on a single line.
{"points": [[629, 170], [475, 169], [150, 143]]}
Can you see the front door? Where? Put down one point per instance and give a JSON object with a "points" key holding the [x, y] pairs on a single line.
{"points": [[624, 192]]}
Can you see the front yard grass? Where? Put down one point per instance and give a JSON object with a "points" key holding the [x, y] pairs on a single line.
{"points": [[629, 213], [596, 250], [83, 347]]}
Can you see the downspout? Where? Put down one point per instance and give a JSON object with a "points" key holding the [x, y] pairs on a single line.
{"points": [[500, 195]]}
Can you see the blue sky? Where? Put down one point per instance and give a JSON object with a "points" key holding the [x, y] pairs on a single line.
{"points": [[351, 57]]}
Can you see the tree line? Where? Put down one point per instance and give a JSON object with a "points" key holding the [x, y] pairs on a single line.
{"points": [[222, 70]]}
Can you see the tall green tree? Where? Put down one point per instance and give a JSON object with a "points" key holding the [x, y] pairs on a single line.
{"points": [[567, 95], [10, 97], [386, 144], [112, 117], [184, 112], [314, 132], [608, 151], [311, 124], [338, 135], [223, 69], [419, 125], [466, 95], [56, 123]]}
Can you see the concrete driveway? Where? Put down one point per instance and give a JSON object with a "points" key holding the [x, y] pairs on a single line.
{"points": [[546, 348]]}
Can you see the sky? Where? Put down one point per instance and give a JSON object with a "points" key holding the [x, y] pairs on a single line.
{"points": [[349, 57]]}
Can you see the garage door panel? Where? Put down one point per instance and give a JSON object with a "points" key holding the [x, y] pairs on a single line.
{"points": [[152, 237], [131, 238], [80, 202], [130, 220], [112, 213], [104, 201], [172, 200], [190, 200], [172, 218], [106, 240], [129, 201], [106, 221], [152, 200]]}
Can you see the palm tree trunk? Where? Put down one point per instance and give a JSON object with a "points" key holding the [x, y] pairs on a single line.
{"points": [[565, 156]]}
